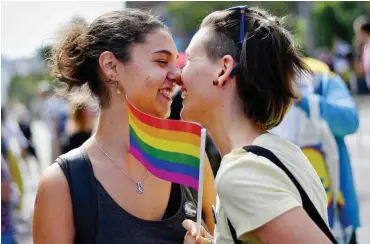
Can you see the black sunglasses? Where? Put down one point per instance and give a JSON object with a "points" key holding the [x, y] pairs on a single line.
{"points": [[242, 33]]}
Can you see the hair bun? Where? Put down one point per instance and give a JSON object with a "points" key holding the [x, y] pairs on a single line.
{"points": [[69, 56]]}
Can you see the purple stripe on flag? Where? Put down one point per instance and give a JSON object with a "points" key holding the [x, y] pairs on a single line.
{"points": [[165, 175]]}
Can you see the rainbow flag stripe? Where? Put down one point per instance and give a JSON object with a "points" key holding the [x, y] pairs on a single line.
{"points": [[169, 149]]}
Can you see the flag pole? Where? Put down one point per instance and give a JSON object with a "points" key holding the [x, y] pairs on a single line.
{"points": [[201, 179]]}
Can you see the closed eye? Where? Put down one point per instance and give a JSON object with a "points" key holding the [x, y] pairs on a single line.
{"points": [[162, 61]]}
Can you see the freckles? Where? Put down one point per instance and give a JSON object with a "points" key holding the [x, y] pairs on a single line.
{"points": [[148, 82], [137, 70]]}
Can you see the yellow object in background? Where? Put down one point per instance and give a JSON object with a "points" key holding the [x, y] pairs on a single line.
{"points": [[316, 65], [16, 175]]}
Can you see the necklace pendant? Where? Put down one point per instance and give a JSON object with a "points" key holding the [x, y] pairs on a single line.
{"points": [[139, 187]]}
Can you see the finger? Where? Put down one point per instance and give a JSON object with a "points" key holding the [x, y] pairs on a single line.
{"points": [[190, 226], [189, 239], [202, 240]]}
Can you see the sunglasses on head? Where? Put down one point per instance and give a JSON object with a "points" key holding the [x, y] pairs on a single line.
{"points": [[242, 10], [242, 33]]}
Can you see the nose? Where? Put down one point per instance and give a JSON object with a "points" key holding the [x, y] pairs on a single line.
{"points": [[175, 75]]}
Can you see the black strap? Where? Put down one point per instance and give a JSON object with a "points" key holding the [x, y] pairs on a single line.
{"points": [[233, 233], [78, 170], [307, 203]]}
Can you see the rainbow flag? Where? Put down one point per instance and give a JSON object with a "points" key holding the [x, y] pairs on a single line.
{"points": [[169, 149]]}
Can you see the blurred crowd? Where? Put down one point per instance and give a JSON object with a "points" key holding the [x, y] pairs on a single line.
{"points": [[350, 60]]}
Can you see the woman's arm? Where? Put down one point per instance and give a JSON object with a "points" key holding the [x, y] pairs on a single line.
{"points": [[293, 226], [209, 195], [53, 217]]}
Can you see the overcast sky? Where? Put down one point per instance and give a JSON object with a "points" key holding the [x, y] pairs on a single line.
{"points": [[25, 26]]}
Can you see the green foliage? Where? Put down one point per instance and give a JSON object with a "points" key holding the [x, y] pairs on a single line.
{"points": [[187, 16], [23, 88], [336, 18], [329, 18]]}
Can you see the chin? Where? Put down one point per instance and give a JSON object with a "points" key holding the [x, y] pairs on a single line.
{"points": [[163, 113], [167, 114], [186, 114]]}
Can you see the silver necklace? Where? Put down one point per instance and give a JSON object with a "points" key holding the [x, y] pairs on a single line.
{"points": [[139, 184]]}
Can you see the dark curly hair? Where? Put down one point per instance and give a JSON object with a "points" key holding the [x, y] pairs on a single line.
{"points": [[75, 58]]}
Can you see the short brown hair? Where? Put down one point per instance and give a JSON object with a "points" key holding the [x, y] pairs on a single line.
{"points": [[362, 23], [269, 59], [75, 58]]}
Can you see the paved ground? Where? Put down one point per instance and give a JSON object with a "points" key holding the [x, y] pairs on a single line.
{"points": [[358, 146]]}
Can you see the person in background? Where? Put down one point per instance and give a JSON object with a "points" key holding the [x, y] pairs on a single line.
{"points": [[342, 58], [339, 110], [361, 28], [11, 130], [7, 228], [55, 114], [82, 120], [13, 148], [24, 121]]}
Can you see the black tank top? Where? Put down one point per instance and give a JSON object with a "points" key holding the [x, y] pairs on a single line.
{"points": [[116, 225]]}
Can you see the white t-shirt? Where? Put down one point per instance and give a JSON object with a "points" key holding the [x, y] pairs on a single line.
{"points": [[251, 190]]}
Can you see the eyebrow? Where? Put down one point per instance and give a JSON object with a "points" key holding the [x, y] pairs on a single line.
{"points": [[165, 52]]}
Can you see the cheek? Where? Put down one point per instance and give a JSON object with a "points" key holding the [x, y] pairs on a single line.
{"points": [[155, 77], [192, 74], [149, 83]]}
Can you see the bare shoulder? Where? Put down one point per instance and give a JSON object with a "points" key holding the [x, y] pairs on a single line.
{"points": [[53, 183], [53, 215], [54, 175]]}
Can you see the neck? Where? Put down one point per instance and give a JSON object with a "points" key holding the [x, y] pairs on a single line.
{"points": [[112, 132], [231, 129]]}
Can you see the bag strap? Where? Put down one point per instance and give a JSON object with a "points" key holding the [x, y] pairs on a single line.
{"points": [[78, 170], [307, 203], [233, 233]]}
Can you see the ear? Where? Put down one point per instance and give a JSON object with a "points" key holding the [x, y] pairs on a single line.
{"points": [[108, 65], [227, 63]]}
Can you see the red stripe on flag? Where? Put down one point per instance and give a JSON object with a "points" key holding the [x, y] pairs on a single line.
{"points": [[166, 124]]}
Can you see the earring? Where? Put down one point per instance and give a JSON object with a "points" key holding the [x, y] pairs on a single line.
{"points": [[215, 82], [118, 91]]}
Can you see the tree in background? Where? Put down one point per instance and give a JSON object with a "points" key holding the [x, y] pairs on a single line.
{"points": [[24, 88], [187, 16], [336, 19], [328, 18]]}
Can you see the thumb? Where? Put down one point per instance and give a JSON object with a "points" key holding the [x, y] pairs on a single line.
{"points": [[190, 226]]}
